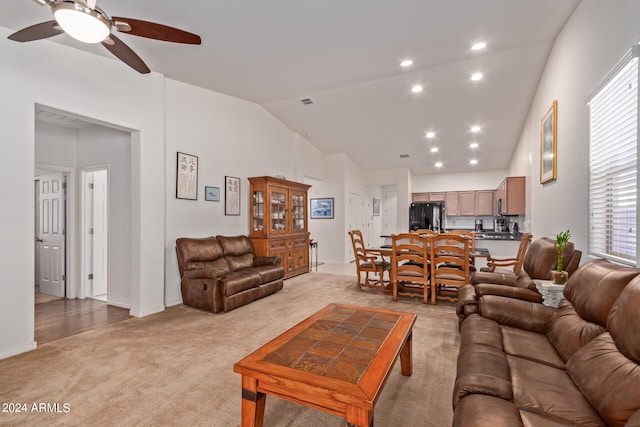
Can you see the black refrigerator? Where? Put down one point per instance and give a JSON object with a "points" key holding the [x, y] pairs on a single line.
{"points": [[426, 215]]}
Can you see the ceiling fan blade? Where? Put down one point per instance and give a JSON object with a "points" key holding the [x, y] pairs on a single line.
{"points": [[152, 30], [37, 32], [125, 54]]}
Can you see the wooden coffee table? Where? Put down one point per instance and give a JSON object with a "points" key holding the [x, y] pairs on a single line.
{"points": [[337, 361]]}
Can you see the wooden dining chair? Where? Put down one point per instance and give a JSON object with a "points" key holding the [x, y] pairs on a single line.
{"points": [[410, 265], [449, 254], [368, 261], [499, 264]]}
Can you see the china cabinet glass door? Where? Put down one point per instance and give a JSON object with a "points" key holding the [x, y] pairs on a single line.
{"points": [[298, 206], [278, 209], [258, 211]]}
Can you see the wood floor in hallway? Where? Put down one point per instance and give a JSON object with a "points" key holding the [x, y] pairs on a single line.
{"points": [[65, 317]]}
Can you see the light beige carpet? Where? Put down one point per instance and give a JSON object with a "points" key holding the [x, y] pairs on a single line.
{"points": [[176, 367]]}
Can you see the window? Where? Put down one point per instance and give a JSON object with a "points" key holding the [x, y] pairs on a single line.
{"points": [[613, 163]]}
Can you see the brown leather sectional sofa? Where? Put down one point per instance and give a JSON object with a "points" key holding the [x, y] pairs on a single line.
{"points": [[526, 364], [222, 273]]}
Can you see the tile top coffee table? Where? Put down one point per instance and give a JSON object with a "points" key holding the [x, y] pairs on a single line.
{"points": [[337, 361]]}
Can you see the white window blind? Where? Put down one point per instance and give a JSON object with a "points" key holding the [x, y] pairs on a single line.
{"points": [[613, 163]]}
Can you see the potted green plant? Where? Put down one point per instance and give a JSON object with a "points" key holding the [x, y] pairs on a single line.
{"points": [[559, 276]]}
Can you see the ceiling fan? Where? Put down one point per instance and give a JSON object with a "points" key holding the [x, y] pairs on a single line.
{"points": [[85, 21]]}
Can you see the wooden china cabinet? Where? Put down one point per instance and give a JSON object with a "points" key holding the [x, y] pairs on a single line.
{"points": [[279, 222]]}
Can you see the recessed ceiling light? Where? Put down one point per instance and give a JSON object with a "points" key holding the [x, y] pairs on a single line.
{"points": [[473, 162], [479, 46], [476, 76], [475, 129], [438, 164], [416, 89], [473, 145], [430, 135], [406, 63], [434, 149]]}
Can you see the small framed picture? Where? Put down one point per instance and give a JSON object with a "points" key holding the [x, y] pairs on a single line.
{"points": [[376, 207], [212, 194], [187, 177], [322, 208], [232, 195]]}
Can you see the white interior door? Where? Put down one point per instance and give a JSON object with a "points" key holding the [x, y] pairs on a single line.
{"points": [[100, 252], [391, 212], [51, 234]]}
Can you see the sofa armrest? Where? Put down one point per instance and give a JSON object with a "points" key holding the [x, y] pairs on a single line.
{"points": [[526, 315], [524, 294], [466, 298], [205, 273], [508, 279], [259, 261]]}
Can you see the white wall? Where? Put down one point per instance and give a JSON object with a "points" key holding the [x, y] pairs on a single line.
{"points": [[593, 40], [487, 180], [47, 73], [231, 137]]}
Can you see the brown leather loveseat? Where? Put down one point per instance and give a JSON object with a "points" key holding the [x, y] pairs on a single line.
{"points": [[526, 364], [222, 273], [540, 259]]}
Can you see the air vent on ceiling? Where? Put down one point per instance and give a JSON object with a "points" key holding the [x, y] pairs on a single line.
{"points": [[307, 101], [404, 156]]}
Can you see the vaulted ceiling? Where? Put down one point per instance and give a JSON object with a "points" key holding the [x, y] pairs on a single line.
{"points": [[345, 56]]}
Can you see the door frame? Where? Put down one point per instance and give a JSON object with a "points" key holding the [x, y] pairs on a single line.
{"points": [[70, 237], [84, 283]]}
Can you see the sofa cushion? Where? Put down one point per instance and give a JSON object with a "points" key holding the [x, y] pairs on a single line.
{"points": [[594, 287], [200, 254], [479, 330], [238, 251], [482, 410], [547, 390], [269, 273], [530, 345], [624, 313], [568, 332], [238, 281], [482, 370], [607, 378]]}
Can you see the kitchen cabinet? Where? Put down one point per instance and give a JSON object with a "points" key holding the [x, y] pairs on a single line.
{"points": [[278, 222], [451, 203], [511, 195], [484, 205], [466, 203], [420, 197], [437, 197]]}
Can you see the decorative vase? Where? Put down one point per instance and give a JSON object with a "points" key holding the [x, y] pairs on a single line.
{"points": [[559, 277]]}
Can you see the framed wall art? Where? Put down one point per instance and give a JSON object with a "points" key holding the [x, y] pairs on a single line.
{"points": [[322, 208], [212, 194], [548, 144], [231, 195], [187, 177], [376, 207]]}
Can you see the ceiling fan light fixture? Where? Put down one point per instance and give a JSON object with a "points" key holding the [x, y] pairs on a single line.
{"points": [[82, 23]]}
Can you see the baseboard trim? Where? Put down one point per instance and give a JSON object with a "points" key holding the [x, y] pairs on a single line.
{"points": [[147, 312], [18, 350]]}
